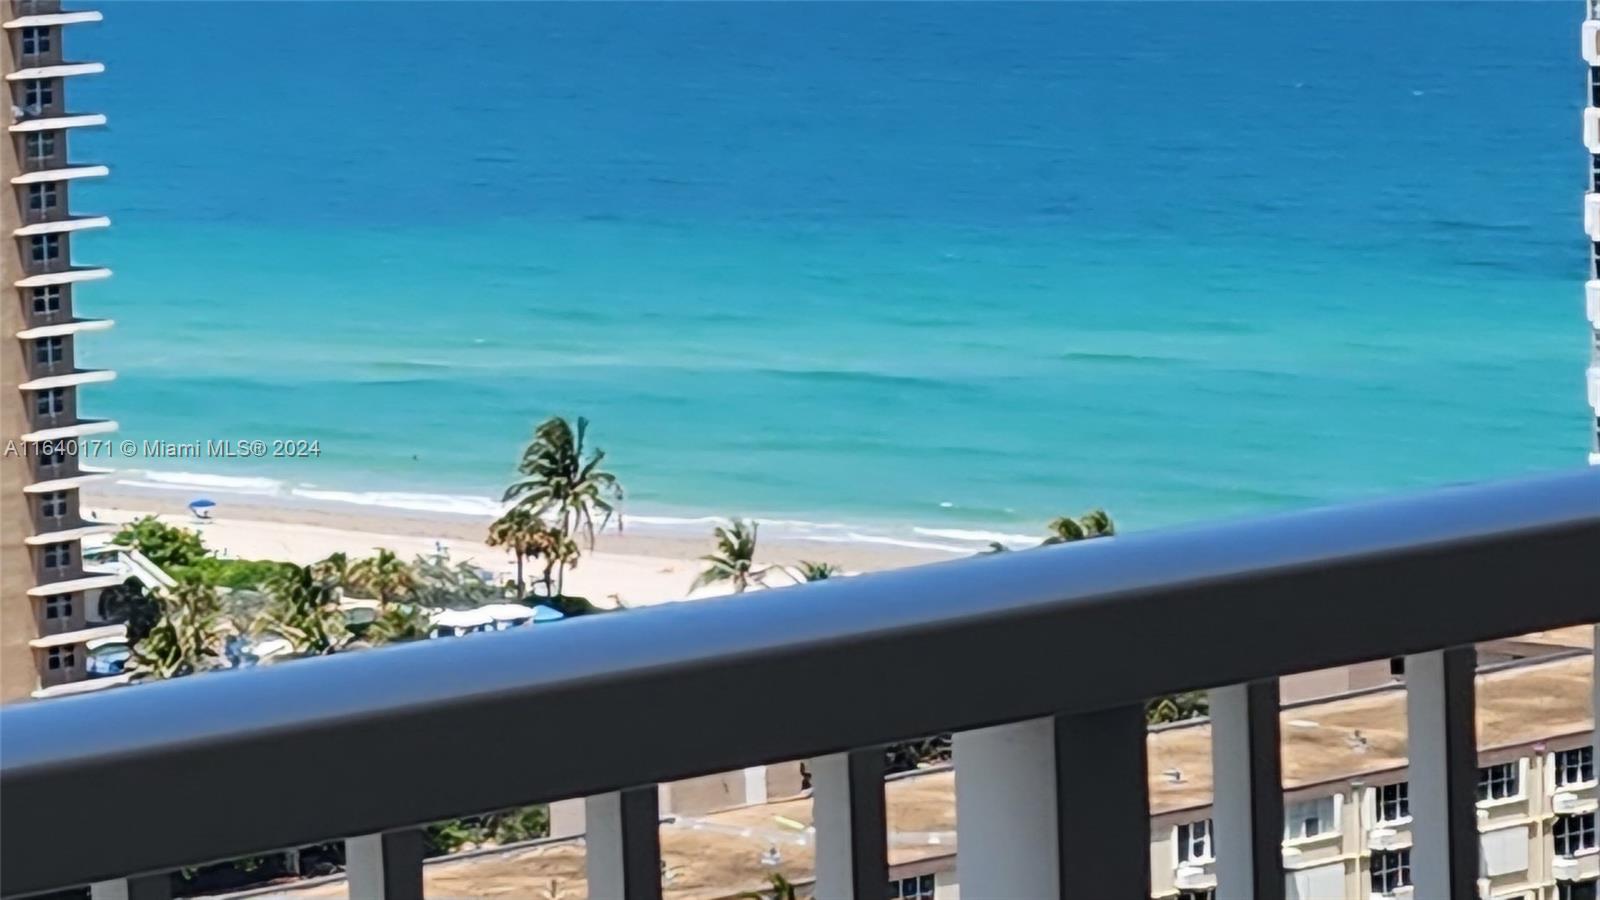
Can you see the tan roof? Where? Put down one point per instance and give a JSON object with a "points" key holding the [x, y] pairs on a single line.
{"points": [[717, 855]]}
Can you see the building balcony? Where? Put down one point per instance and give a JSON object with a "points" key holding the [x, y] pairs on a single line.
{"points": [[53, 18], [1039, 662], [74, 429], [58, 70], [57, 123], [63, 225], [66, 275], [73, 378], [65, 329], [79, 636], [74, 533], [85, 475], [66, 173], [75, 585]]}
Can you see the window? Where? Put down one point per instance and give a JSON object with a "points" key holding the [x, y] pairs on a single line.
{"points": [[44, 247], [51, 457], [52, 402], [53, 505], [1499, 782], [1573, 834], [62, 657], [1577, 890], [38, 94], [1391, 870], [47, 300], [1194, 841], [1394, 802], [917, 887], [49, 350], [41, 145], [35, 41], [42, 196], [1309, 818], [58, 606], [1575, 766], [57, 556]]}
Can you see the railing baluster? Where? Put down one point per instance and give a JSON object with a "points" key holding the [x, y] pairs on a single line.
{"points": [[385, 866], [623, 844], [139, 887], [1247, 788], [847, 809], [1441, 701], [1055, 807]]}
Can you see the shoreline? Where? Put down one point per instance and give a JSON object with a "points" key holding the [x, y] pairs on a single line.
{"points": [[638, 566]]}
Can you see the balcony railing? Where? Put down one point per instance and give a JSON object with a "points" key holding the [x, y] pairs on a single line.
{"points": [[1041, 662]]}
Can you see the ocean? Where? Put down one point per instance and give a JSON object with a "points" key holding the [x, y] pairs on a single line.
{"points": [[920, 273]]}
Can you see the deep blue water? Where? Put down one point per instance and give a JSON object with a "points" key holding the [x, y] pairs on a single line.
{"points": [[944, 266]]}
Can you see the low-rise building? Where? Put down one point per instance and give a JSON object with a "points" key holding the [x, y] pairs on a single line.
{"points": [[1347, 832]]}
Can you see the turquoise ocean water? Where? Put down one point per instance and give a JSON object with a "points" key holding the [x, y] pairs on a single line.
{"points": [[919, 272]]}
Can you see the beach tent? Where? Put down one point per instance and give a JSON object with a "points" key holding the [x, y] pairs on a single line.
{"points": [[201, 507], [452, 622], [507, 615]]}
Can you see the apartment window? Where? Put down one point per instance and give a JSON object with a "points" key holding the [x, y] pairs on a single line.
{"points": [[1394, 802], [62, 657], [41, 145], [42, 196], [1575, 766], [1577, 890], [58, 607], [51, 403], [917, 887], [52, 457], [1573, 834], [44, 247], [47, 300], [1500, 782], [1194, 841], [53, 505], [1309, 818], [1391, 870], [38, 94], [57, 556], [35, 41], [49, 350]]}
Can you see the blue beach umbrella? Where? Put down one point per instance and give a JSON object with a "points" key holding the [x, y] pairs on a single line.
{"points": [[196, 506], [542, 613]]}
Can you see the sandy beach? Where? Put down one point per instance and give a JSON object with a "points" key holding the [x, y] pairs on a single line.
{"points": [[634, 567]]}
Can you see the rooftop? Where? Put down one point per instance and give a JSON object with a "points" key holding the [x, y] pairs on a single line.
{"points": [[719, 854]]}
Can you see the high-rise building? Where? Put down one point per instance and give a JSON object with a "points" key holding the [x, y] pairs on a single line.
{"points": [[1591, 220], [44, 590]]}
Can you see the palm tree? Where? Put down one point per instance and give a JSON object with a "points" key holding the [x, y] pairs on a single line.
{"points": [[559, 552], [335, 569], [305, 612], [814, 571], [516, 530], [184, 640], [734, 559], [385, 575], [563, 480], [1093, 524]]}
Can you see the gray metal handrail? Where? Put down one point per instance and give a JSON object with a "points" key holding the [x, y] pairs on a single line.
{"points": [[369, 742]]}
